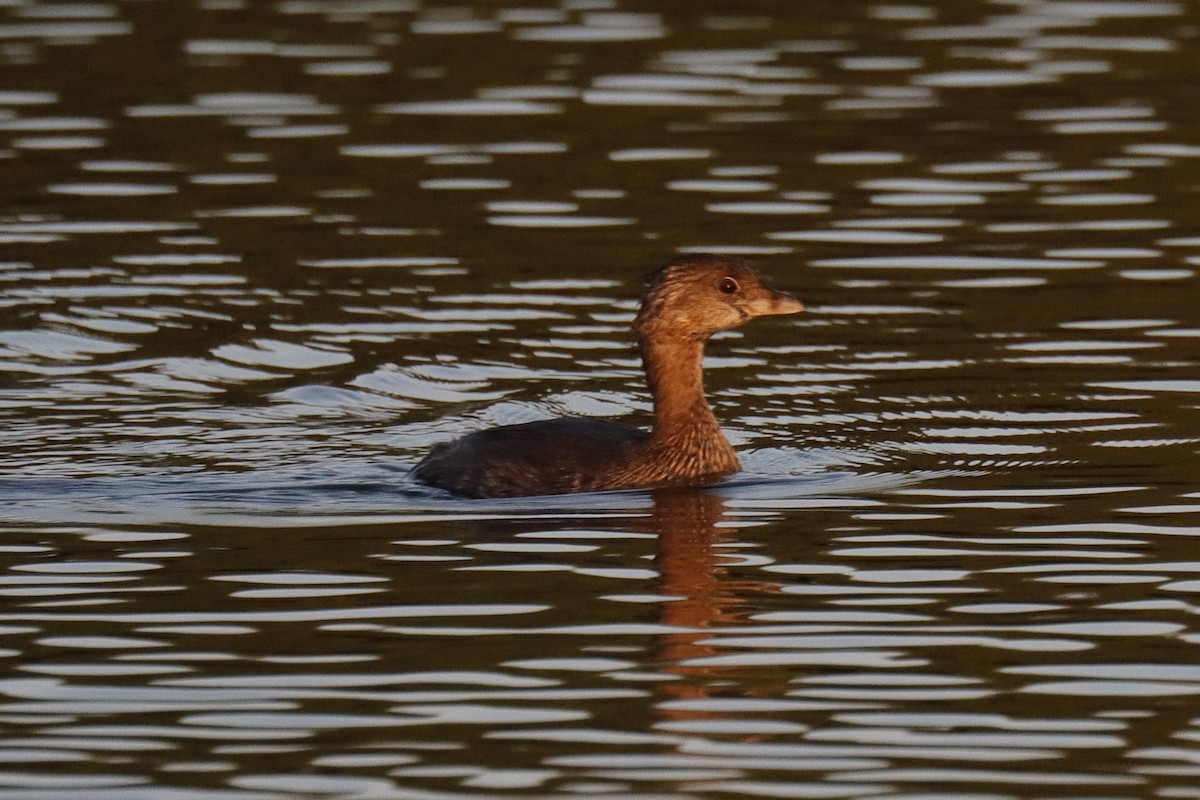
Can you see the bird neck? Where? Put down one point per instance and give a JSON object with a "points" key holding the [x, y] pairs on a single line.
{"points": [[675, 372]]}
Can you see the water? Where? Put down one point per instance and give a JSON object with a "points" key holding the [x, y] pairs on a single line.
{"points": [[259, 256]]}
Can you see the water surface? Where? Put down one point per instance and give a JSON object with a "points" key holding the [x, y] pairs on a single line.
{"points": [[259, 257]]}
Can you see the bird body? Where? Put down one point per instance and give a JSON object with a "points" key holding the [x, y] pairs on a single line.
{"points": [[690, 298]]}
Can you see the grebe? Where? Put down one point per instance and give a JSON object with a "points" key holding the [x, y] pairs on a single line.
{"points": [[689, 299]]}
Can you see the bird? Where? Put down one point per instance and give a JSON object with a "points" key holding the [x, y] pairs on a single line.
{"points": [[689, 299]]}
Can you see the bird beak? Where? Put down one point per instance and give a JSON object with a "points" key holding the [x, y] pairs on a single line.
{"points": [[772, 303]]}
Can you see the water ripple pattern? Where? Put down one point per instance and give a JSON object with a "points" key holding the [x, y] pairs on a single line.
{"points": [[257, 258]]}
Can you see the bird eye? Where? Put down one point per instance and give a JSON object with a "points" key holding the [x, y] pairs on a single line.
{"points": [[728, 285]]}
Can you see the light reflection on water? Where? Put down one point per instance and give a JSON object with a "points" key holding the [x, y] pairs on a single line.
{"points": [[758, 658], [291, 246]]}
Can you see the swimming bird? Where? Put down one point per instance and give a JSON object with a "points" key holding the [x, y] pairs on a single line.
{"points": [[689, 299]]}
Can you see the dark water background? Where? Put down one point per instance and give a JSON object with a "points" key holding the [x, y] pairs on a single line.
{"points": [[257, 257]]}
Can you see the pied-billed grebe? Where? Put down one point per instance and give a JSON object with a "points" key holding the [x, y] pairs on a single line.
{"points": [[690, 299]]}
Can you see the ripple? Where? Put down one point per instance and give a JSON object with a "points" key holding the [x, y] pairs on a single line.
{"points": [[454, 27], [1157, 274], [1185, 386], [112, 190], [446, 385], [379, 262], [402, 150], [737, 250], [1090, 344], [1076, 175], [197, 375], [1108, 128], [177, 259], [304, 593], [669, 82], [1104, 252], [281, 355], [257, 212], [1126, 688], [57, 345], [1116, 324], [433, 152], [556, 221], [65, 30], [86, 567], [465, 184], [599, 26], [779, 207], [957, 262], [348, 68], [18, 97], [861, 158], [660, 98], [364, 8], [325, 785], [592, 33], [1093, 113], [880, 63], [994, 283], [473, 108], [928, 199], [572, 664], [936, 186], [532, 207], [1165, 150], [992, 167], [919, 223], [983, 78], [95, 226], [720, 185], [229, 47], [660, 154], [1130, 44], [93, 643], [297, 131], [43, 124], [58, 142], [237, 103], [298, 721], [1097, 199], [296, 578], [857, 236]]}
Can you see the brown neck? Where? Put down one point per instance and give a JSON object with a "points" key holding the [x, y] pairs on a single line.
{"points": [[674, 370]]}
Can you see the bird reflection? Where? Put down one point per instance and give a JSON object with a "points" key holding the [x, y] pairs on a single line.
{"points": [[686, 524], [693, 574]]}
